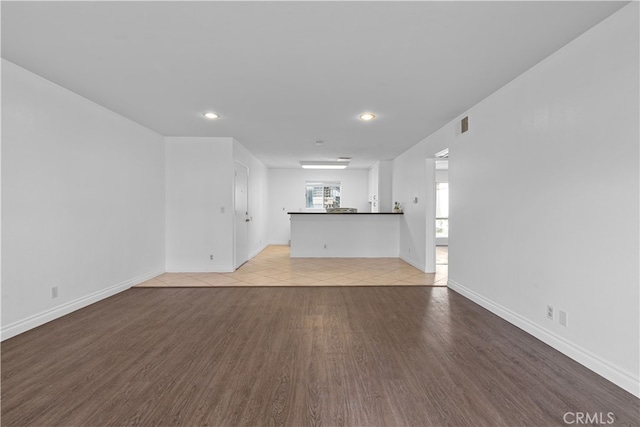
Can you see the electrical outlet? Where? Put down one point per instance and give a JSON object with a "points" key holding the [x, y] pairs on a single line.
{"points": [[325, 246], [54, 292], [563, 318], [549, 312], [211, 257]]}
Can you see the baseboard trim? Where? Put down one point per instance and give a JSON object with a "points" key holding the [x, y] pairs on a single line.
{"points": [[16, 328], [216, 269], [256, 252], [619, 376], [413, 263]]}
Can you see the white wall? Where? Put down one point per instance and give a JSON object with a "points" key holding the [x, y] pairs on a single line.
{"points": [[545, 199], [380, 189], [410, 177], [82, 198], [258, 198], [287, 194], [199, 204]]}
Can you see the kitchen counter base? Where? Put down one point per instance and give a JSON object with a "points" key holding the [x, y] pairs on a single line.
{"points": [[352, 235]]}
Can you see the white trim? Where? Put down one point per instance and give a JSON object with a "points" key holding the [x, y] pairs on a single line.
{"points": [[280, 243], [256, 252], [430, 217], [209, 269], [235, 219], [619, 376], [38, 319], [203, 269], [413, 263]]}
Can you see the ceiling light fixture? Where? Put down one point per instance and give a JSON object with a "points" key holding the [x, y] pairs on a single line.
{"points": [[367, 116], [344, 159], [211, 115], [444, 154], [324, 165]]}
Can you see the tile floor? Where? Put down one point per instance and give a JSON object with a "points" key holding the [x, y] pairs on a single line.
{"points": [[274, 267]]}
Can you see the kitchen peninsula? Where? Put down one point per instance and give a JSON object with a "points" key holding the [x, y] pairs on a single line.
{"points": [[345, 235]]}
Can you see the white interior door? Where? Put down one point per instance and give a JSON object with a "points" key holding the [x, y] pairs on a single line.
{"points": [[242, 218]]}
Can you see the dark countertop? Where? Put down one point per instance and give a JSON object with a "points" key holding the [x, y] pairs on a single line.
{"points": [[345, 213]]}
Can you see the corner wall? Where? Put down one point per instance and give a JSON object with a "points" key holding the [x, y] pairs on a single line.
{"points": [[545, 199], [82, 201], [410, 177], [199, 204]]}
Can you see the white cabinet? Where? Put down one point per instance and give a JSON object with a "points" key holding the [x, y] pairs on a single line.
{"points": [[380, 186]]}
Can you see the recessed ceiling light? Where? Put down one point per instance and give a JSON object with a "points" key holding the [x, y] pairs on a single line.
{"points": [[324, 165], [211, 115], [367, 116]]}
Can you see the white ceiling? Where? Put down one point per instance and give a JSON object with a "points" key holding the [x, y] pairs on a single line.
{"points": [[285, 74]]}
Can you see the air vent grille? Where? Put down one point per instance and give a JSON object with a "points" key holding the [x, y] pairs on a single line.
{"points": [[464, 125]]}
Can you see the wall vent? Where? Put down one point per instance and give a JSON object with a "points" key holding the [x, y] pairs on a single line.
{"points": [[464, 125]]}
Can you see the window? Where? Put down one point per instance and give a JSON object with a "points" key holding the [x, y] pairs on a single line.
{"points": [[323, 195], [442, 209]]}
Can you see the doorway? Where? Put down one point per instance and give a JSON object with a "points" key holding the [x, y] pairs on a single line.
{"points": [[241, 210], [442, 208]]}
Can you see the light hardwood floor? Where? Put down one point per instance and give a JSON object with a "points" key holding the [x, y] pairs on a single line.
{"points": [[442, 255], [274, 267], [294, 356]]}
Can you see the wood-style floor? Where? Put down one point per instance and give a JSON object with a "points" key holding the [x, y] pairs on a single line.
{"points": [[294, 356], [442, 255]]}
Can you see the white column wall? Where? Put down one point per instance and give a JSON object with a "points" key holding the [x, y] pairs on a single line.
{"points": [[199, 204]]}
